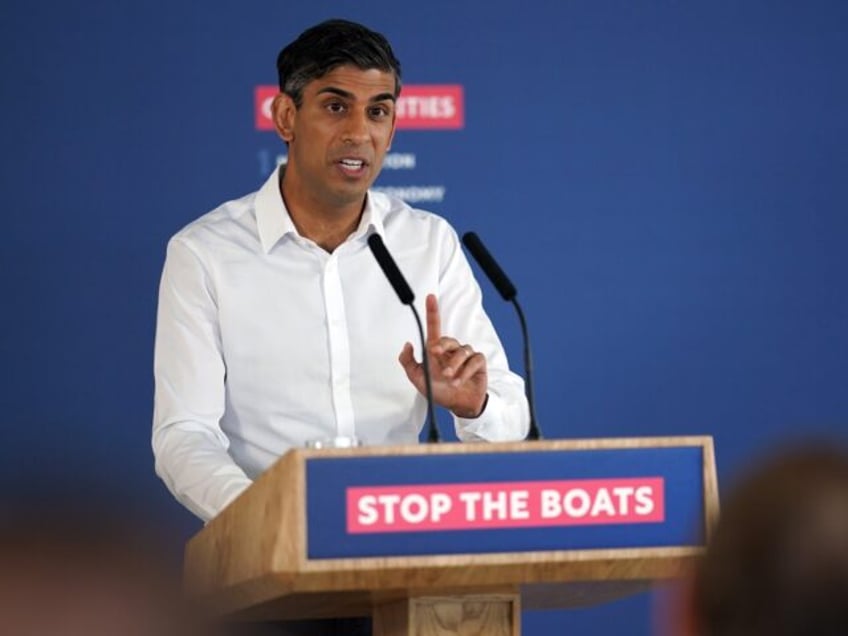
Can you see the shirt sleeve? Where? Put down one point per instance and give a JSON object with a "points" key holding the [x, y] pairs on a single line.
{"points": [[189, 447], [506, 416]]}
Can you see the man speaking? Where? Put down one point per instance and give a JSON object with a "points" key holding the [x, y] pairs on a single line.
{"points": [[275, 324]]}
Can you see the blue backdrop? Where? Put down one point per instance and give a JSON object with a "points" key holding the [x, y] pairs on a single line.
{"points": [[664, 181]]}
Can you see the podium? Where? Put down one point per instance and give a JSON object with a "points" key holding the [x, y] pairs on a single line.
{"points": [[442, 539]]}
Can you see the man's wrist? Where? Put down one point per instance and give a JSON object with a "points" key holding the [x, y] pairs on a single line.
{"points": [[474, 416]]}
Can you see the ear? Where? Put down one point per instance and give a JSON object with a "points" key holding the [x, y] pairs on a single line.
{"points": [[284, 113]]}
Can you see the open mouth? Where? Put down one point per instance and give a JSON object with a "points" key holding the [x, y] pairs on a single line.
{"points": [[352, 167], [353, 164]]}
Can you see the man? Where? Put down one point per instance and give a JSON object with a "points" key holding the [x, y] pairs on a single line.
{"points": [[275, 323]]}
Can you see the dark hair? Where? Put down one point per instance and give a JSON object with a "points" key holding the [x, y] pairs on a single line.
{"points": [[778, 562], [325, 46]]}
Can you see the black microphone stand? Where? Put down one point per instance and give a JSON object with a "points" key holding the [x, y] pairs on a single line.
{"points": [[404, 293], [533, 433], [508, 292], [432, 430]]}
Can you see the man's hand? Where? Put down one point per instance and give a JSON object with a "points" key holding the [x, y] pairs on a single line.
{"points": [[458, 373]]}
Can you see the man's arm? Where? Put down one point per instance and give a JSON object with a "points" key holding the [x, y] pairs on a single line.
{"points": [[189, 446]]}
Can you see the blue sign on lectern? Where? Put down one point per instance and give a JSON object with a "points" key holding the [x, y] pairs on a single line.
{"points": [[486, 502]]}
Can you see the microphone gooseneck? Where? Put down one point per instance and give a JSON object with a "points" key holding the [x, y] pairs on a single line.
{"points": [[404, 293], [390, 269], [499, 279], [508, 292]]}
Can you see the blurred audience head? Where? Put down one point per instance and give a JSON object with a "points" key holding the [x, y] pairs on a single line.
{"points": [[76, 568], [777, 564]]}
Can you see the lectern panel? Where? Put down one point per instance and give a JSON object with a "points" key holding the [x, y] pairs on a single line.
{"points": [[492, 502]]}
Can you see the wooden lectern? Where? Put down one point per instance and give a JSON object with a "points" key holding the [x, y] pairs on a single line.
{"points": [[444, 539]]}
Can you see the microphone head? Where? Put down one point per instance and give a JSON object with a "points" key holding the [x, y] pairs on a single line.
{"points": [[499, 279], [390, 269]]}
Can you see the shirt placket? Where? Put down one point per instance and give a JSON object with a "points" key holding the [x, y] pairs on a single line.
{"points": [[337, 335]]}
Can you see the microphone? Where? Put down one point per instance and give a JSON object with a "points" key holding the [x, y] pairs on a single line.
{"points": [[404, 293], [507, 290]]}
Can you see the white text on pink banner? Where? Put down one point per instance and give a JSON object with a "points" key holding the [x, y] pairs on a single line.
{"points": [[427, 507]]}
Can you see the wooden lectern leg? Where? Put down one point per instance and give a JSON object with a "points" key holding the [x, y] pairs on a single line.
{"points": [[465, 615]]}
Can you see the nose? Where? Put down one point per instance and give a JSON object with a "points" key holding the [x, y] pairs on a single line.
{"points": [[357, 128]]}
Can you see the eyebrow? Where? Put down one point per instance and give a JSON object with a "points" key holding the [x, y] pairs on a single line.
{"points": [[348, 95]]}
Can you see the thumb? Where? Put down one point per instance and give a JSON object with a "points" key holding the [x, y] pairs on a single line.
{"points": [[407, 361]]}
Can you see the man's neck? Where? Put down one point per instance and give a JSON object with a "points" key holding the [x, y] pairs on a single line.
{"points": [[328, 225]]}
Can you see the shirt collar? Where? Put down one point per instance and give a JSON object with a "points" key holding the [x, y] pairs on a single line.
{"points": [[272, 219], [274, 222], [372, 216]]}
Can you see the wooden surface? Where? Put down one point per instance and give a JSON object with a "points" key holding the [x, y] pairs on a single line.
{"points": [[250, 561], [469, 615], [711, 499], [252, 550]]}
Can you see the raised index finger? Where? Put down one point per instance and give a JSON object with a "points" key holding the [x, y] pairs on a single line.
{"points": [[434, 322]]}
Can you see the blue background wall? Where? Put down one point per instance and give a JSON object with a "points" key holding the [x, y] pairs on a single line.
{"points": [[664, 181]]}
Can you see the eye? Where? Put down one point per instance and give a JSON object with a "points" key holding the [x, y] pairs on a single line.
{"points": [[380, 111], [335, 107]]}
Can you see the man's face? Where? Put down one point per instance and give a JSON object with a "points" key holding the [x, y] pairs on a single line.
{"points": [[338, 137]]}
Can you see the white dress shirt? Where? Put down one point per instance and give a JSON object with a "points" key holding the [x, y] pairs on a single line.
{"points": [[265, 341]]}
